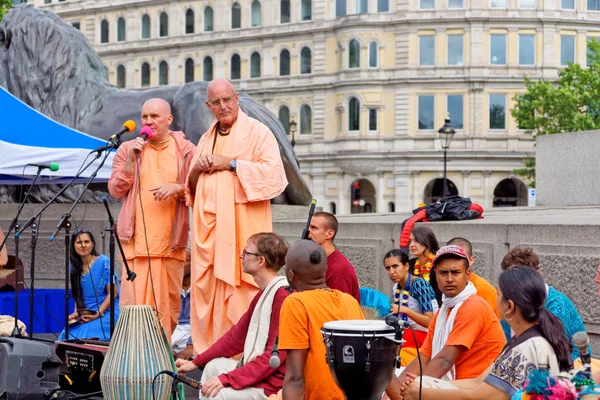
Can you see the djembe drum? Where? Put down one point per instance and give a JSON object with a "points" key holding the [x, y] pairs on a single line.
{"points": [[361, 356], [137, 352]]}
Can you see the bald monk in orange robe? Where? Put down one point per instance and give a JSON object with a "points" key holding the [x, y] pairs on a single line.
{"points": [[154, 219], [237, 169]]}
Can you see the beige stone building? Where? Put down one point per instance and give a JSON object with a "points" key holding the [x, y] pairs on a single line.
{"points": [[369, 82]]}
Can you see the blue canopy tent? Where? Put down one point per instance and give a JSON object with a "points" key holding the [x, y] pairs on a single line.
{"points": [[27, 136]]}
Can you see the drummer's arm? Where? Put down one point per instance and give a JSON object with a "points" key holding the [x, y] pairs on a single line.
{"points": [[443, 361], [293, 384], [412, 368]]}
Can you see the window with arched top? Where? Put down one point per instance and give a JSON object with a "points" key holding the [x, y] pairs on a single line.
{"points": [[145, 26], [354, 54], [353, 114], [145, 74], [208, 19], [121, 30], [164, 25], [284, 118], [373, 54], [255, 17], [306, 10], [284, 63], [305, 60], [305, 120], [121, 76], [104, 31], [284, 11], [235, 70], [332, 207], [163, 73], [207, 67], [236, 16], [255, 65], [189, 21], [189, 70]]}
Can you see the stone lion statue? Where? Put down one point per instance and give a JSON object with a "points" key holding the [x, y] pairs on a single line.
{"points": [[51, 66]]}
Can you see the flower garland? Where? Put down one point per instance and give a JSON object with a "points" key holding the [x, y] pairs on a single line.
{"points": [[426, 269], [401, 297]]}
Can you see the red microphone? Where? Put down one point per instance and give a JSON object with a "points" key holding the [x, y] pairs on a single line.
{"points": [[146, 132]]}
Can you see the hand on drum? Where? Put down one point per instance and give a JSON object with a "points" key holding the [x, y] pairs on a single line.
{"points": [[211, 387], [185, 365]]}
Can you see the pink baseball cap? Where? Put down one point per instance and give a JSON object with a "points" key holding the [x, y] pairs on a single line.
{"points": [[449, 250]]}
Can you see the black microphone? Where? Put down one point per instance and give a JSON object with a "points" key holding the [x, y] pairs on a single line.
{"points": [[185, 379], [311, 211], [274, 361], [581, 340], [52, 166], [128, 126], [394, 321], [146, 132], [108, 146]]}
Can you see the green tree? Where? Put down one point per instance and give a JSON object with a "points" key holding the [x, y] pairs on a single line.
{"points": [[4, 6], [570, 104]]}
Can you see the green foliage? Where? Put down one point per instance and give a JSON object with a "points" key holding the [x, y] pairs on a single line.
{"points": [[5, 5], [570, 104]]}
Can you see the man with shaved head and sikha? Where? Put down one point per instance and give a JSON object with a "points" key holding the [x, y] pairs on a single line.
{"points": [[154, 219], [236, 171], [302, 315]]}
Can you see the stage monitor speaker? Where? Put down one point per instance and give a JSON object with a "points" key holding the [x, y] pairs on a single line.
{"points": [[28, 369]]}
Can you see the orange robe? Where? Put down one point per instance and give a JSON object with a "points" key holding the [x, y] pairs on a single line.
{"points": [[164, 277], [3, 253], [227, 209]]}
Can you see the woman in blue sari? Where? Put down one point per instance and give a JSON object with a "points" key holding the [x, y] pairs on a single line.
{"points": [[90, 282]]}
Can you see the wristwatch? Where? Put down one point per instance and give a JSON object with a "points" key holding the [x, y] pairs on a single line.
{"points": [[233, 165]]}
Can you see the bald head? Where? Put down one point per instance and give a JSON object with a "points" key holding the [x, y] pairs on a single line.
{"points": [[156, 114], [158, 104], [219, 85], [306, 265], [222, 100]]}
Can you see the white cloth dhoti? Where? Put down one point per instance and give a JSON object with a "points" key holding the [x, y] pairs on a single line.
{"points": [[220, 366]]}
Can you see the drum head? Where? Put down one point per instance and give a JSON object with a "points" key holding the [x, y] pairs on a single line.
{"points": [[357, 328]]}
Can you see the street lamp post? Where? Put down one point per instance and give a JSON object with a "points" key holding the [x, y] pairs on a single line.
{"points": [[446, 133], [293, 126]]}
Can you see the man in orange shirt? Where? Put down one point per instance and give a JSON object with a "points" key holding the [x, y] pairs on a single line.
{"points": [[465, 336], [302, 316], [483, 287]]}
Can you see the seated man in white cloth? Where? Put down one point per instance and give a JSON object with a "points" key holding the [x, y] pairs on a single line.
{"points": [[465, 336], [254, 335]]}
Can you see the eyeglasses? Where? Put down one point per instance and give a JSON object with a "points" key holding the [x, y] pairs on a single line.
{"points": [[246, 253], [218, 102]]}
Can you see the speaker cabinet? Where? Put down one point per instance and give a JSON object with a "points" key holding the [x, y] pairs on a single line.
{"points": [[28, 369]]}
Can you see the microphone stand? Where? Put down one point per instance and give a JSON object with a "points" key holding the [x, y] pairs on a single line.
{"points": [[18, 232], [66, 224], [130, 275], [15, 225]]}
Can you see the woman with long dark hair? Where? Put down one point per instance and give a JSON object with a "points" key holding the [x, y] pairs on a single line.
{"points": [[423, 245], [413, 301], [90, 283], [539, 343]]}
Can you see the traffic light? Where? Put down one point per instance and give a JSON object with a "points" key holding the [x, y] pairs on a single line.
{"points": [[355, 193]]}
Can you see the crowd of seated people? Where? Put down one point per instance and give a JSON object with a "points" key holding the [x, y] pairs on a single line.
{"points": [[468, 340]]}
